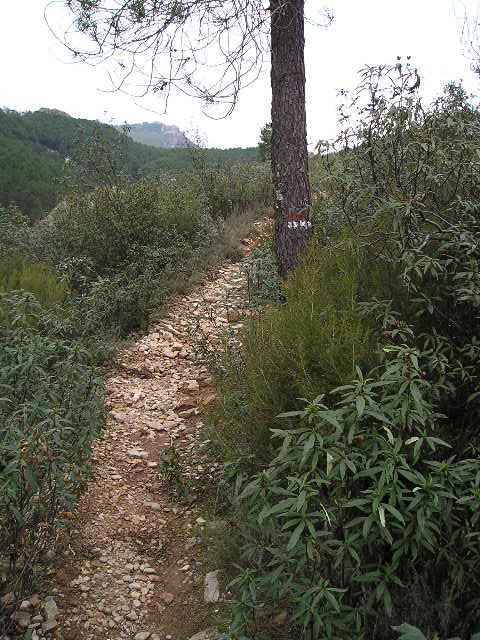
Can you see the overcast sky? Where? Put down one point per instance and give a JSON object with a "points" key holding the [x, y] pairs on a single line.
{"points": [[36, 72]]}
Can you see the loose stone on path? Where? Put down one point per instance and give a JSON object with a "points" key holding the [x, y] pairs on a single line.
{"points": [[130, 570]]}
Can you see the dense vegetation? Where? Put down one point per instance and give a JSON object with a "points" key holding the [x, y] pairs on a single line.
{"points": [[102, 262], [348, 418], [40, 150], [347, 415], [51, 411]]}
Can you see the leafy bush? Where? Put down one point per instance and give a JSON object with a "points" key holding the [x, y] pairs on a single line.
{"points": [[407, 632], [14, 231], [364, 519], [398, 165], [124, 248], [363, 512], [120, 246], [293, 351], [263, 282], [230, 189], [115, 227], [51, 411], [369, 513], [34, 277]]}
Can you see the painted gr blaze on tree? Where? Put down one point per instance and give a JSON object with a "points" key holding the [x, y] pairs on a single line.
{"points": [[211, 49]]}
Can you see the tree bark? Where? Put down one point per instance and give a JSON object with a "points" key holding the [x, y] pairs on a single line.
{"points": [[291, 188]]}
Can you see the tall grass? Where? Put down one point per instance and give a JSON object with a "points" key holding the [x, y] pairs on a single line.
{"points": [[296, 350]]}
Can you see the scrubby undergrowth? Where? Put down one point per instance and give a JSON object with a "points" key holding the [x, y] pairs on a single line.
{"points": [[97, 268], [357, 508]]}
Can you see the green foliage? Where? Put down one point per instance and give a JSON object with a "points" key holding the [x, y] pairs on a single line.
{"points": [[230, 189], [170, 470], [14, 233], [122, 248], [407, 632], [17, 271], [398, 166], [263, 282], [34, 277], [51, 411], [362, 520], [265, 143], [292, 351], [29, 175], [125, 247], [128, 243], [38, 150], [365, 494], [113, 228]]}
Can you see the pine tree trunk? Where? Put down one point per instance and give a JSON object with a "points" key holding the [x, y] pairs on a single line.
{"points": [[291, 189]]}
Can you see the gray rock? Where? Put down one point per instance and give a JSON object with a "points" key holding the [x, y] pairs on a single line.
{"points": [[142, 635], [153, 505], [49, 625], [205, 446], [215, 526], [208, 634], [50, 608], [211, 589], [23, 619], [167, 598], [191, 542], [136, 453], [35, 600]]}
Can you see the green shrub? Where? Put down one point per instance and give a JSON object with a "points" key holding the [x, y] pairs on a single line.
{"points": [[407, 632], [398, 165], [365, 518], [115, 227], [263, 282], [51, 411], [14, 231], [233, 189], [120, 248], [35, 277], [368, 516], [295, 350], [123, 249], [122, 305]]}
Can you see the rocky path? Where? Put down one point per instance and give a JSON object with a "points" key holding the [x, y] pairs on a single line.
{"points": [[133, 567]]}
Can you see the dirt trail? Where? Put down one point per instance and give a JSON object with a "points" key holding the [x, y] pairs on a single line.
{"points": [[133, 568]]}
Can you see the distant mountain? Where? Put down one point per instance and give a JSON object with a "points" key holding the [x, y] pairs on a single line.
{"points": [[38, 149], [157, 134]]}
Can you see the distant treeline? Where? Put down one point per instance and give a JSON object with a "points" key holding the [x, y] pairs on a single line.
{"points": [[38, 150]]}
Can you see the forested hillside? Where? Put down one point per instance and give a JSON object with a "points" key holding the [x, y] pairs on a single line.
{"points": [[40, 149]]}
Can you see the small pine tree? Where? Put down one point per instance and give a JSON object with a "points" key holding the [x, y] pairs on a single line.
{"points": [[265, 143]]}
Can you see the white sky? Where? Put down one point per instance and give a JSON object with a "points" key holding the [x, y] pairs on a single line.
{"points": [[36, 72]]}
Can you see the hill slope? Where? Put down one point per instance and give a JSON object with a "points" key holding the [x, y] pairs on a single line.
{"points": [[37, 147]]}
